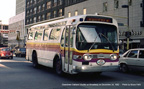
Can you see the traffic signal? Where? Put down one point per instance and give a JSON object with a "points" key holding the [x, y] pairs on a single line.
{"points": [[128, 34]]}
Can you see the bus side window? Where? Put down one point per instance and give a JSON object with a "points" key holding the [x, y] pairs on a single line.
{"points": [[62, 38], [38, 35], [46, 34], [30, 36], [55, 34]]}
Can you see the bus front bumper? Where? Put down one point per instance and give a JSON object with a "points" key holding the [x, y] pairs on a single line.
{"points": [[95, 68]]}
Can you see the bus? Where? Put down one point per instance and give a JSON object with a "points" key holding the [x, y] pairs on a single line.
{"points": [[84, 43]]}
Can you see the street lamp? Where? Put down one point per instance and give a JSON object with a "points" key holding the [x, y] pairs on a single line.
{"points": [[128, 33]]}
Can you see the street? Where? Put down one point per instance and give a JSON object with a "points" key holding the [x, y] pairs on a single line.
{"points": [[20, 74]]}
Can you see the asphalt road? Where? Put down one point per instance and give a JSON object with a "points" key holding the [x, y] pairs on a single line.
{"points": [[19, 74]]}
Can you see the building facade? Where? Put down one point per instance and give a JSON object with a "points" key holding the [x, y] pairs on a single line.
{"points": [[17, 29], [3, 34], [39, 11], [129, 19], [17, 26], [20, 6]]}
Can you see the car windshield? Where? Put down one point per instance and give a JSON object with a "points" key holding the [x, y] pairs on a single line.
{"points": [[6, 49], [22, 49], [96, 36]]}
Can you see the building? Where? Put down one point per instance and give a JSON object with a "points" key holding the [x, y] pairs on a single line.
{"points": [[39, 11], [130, 18], [17, 26], [20, 6], [3, 34]]}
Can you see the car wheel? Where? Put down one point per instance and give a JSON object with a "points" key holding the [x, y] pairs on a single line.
{"points": [[11, 57], [34, 60], [124, 68], [58, 66]]}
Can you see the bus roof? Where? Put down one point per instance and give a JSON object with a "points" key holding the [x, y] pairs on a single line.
{"points": [[75, 19]]}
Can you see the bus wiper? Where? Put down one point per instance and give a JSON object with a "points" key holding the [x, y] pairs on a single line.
{"points": [[107, 40], [92, 44]]}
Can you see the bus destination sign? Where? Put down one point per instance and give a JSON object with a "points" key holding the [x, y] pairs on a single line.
{"points": [[100, 19]]}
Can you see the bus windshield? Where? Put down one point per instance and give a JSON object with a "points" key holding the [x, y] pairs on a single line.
{"points": [[96, 36]]}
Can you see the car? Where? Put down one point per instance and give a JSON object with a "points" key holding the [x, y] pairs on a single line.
{"points": [[20, 52], [133, 59], [5, 52]]}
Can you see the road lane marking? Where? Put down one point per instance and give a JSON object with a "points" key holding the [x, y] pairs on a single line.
{"points": [[1, 65]]}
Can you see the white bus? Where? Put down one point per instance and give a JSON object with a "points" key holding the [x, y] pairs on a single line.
{"points": [[85, 43]]}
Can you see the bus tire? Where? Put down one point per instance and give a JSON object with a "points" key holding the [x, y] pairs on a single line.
{"points": [[34, 60], [124, 68], [58, 66], [97, 73]]}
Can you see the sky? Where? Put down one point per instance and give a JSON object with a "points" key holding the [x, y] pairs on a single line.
{"points": [[7, 10]]}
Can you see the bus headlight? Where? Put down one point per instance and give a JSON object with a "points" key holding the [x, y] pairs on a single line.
{"points": [[87, 57], [78, 57], [113, 57]]}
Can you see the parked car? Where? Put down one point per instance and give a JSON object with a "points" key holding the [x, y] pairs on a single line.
{"points": [[132, 59], [6, 53], [20, 52]]}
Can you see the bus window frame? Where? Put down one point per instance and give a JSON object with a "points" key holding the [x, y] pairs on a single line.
{"points": [[63, 34], [47, 34]]}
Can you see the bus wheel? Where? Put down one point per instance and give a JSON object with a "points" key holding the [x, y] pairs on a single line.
{"points": [[34, 60], [124, 68], [58, 66]]}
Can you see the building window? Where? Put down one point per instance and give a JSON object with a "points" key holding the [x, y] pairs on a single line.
{"points": [[35, 9], [39, 9], [130, 2], [5, 27], [43, 7], [69, 14], [38, 1], [105, 6], [34, 19], [67, 2], [39, 18], [59, 2], [60, 12], [76, 13], [116, 4], [34, 1], [43, 17], [54, 14], [55, 3], [84, 11], [31, 20], [28, 13], [49, 5], [31, 12], [48, 15], [28, 4], [31, 2], [27, 21]]}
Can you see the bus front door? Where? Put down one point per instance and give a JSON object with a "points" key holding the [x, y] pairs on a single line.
{"points": [[68, 49]]}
